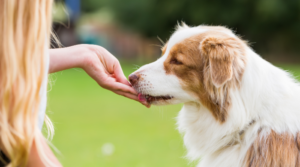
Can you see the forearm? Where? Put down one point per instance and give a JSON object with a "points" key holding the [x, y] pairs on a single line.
{"points": [[65, 58]]}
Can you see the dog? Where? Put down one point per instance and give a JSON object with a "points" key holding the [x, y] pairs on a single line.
{"points": [[239, 110]]}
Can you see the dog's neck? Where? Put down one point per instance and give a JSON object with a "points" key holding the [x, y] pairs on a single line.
{"points": [[270, 95]]}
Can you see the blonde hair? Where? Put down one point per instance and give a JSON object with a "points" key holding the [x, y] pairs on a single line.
{"points": [[25, 27]]}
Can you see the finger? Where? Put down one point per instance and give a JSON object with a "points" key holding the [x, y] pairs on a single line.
{"points": [[116, 86], [112, 66], [119, 74], [133, 97], [129, 95]]}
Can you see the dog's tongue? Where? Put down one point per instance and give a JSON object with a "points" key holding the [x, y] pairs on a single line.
{"points": [[141, 97]]}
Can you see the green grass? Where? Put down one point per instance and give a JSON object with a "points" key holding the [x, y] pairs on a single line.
{"points": [[87, 117]]}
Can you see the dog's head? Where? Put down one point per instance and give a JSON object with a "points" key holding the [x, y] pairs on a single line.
{"points": [[198, 64]]}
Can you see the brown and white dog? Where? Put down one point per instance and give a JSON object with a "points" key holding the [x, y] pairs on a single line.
{"points": [[239, 110]]}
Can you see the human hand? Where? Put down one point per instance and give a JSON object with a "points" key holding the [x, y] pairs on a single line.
{"points": [[105, 69]]}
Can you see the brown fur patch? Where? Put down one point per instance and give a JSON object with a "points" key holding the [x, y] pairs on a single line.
{"points": [[220, 58], [274, 150], [212, 63]]}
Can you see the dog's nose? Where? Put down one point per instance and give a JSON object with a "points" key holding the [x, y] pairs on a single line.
{"points": [[133, 79]]}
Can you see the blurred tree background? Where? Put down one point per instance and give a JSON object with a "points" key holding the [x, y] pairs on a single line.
{"points": [[95, 127], [271, 26]]}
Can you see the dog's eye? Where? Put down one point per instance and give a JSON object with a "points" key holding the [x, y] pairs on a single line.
{"points": [[175, 61]]}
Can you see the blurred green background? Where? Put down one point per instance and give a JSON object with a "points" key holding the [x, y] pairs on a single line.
{"points": [[129, 28], [95, 127]]}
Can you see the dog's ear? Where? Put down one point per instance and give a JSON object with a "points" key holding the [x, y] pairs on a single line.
{"points": [[219, 53]]}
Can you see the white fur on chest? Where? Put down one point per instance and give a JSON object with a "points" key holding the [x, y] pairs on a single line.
{"points": [[210, 141]]}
